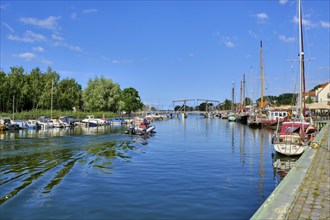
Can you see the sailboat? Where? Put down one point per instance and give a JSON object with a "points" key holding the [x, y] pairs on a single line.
{"points": [[293, 138], [231, 116], [256, 117]]}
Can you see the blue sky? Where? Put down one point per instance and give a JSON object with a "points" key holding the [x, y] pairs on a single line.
{"points": [[169, 50]]}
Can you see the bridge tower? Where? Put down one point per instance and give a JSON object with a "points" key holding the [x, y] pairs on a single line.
{"points": [[182, 110], [207, 113]]}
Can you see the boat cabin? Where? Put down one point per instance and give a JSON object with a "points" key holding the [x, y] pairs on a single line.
{"points": [[277, 115]]}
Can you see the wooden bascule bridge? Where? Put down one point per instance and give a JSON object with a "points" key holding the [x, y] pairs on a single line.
{"points": [[184, 111]]}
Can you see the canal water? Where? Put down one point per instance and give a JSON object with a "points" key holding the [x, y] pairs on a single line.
{"points": [[192, 168]]}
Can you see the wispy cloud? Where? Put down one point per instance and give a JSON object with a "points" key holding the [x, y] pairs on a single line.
{"points": [[230, 42], [68, 46], [60, 42], [29, 37], [325, 24], [252, 34], [38, 49], [285, 39], [307, 23], [74, 16], [116, 61], [90, 10], [283, 2], [8, 26], [262, 17], [47, 23], [46, 62], [26, 56], [57, 37]]}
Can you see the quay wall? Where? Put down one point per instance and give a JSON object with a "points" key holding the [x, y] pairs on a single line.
{"points": [[281, 200]]}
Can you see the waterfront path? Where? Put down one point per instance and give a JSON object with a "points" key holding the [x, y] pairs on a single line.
{"points": [[313, 198], [305, 191]]}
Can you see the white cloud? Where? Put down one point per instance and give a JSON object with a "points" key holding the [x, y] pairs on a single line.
{"points": [[57, 38], [252, 34], [27, 56], [8, 26], [48, 23], [68, 46], [283, 2], [91, 10], [29, 37], [38, 49], [230, 42], [47, 62], [307, 23], [262, 17], [285, 39], [115, 61], [74, 16], [325, 24]]}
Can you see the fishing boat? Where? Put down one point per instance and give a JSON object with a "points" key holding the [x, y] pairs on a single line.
{"points": [[294, 136]]}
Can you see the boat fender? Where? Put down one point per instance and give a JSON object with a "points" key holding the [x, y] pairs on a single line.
{"points": [[315, 145]]}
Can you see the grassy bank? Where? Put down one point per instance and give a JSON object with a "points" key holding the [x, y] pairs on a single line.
{"points": [[34, 114]]}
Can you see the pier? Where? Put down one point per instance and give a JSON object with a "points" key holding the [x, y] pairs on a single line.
{"points": [[305, 191]]}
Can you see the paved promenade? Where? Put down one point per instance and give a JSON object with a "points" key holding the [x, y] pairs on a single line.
{"points": [[313, 199], [305, 191]]}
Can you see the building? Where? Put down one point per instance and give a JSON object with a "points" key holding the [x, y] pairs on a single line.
{"points": [[323, 93]]}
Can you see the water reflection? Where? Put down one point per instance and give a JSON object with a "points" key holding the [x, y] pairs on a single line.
{"points": [[282, 164], [24, 163], [60, 132]]}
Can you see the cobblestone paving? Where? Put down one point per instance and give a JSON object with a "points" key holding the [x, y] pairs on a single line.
{"points": [[313, 200]]}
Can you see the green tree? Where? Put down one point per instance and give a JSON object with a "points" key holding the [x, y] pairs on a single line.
{"points": [[202, 106], [49, 82], [101, 94], [35, 82], [3, 89], [226, 105], [15, 84], [68, 94], [131, 100], [309, 100]]}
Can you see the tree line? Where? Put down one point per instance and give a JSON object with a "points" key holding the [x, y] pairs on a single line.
{"points": [[26, 91]]}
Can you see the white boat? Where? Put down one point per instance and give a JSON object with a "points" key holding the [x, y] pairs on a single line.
{"points": [[45, 122], [33, 124], [232, 118], [294, 136], [90, 121], [67, 121]]}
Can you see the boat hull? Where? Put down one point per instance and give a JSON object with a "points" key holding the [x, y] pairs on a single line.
{"points": [[289, 149]]}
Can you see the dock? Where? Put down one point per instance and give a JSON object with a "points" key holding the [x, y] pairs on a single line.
{"points": [[305, 191]]}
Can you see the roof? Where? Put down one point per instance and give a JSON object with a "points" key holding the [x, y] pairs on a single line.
{"points": [[311, 93]]}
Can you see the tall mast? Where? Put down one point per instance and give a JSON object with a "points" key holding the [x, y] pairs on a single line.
{"points": [[244, 88], [251, 73], [240, 97], [51, 101], [302, 65], [261, 77], [232, 97]]}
